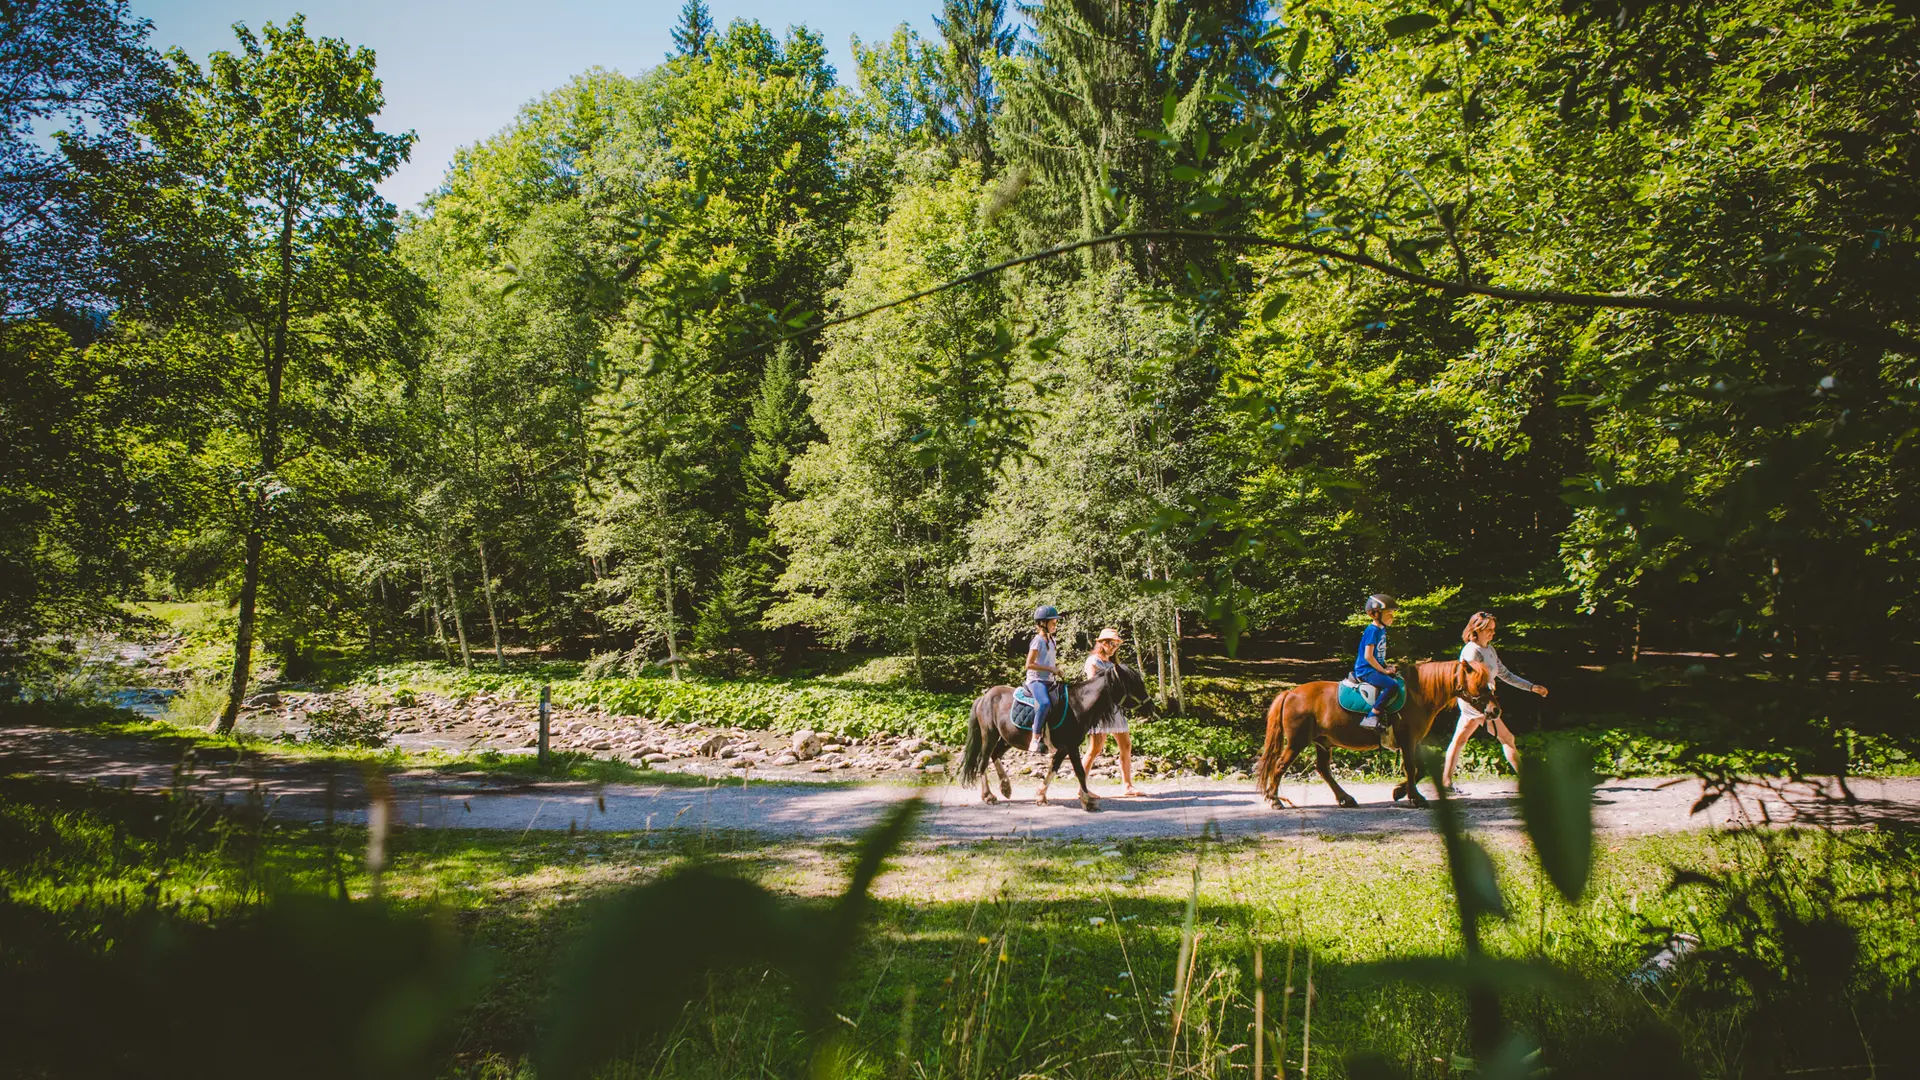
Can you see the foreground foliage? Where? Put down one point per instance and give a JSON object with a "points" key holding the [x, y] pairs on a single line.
{"points": [[998, 960]]}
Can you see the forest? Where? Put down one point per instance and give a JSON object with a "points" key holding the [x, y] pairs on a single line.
{"points": [[1223, 317], [725, 413]]}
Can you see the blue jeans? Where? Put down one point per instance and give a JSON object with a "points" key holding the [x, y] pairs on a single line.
{"points": [[1040, 702], [1382, 682]]}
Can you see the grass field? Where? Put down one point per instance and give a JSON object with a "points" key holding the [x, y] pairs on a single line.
{"points": [[1013, 960]]}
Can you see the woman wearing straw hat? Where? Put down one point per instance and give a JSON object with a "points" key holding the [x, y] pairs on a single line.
{"points": [[1100, 662]]}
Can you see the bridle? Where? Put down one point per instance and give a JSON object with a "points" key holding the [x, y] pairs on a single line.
{"points": [[1460, 672]]}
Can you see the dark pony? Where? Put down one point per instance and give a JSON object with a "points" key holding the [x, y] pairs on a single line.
{"points": [[990, 728], [1311, 713]]}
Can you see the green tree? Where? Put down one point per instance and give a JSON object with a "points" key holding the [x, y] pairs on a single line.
{"points": [[696, 25], [280, 156], [912, 409]]}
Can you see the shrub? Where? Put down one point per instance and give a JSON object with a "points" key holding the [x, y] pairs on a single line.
{"points": [[346, 725]]}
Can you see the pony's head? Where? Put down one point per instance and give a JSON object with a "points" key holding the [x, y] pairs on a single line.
{"points": [[1473, 683], [1134, 695]]}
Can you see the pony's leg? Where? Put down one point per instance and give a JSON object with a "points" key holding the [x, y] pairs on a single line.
{"points": [[1287, 754], [1088, 800], [1000, 766], [1323, 764], [1410, 762], [994, 748], [1046, 779]]}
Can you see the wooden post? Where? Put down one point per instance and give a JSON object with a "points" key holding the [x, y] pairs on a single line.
{"points": [[546, 703], [1259, 1015]]}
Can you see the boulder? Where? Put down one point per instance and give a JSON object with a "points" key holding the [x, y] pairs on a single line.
{"points": [[713, 745], [913, 746], [656, 758], [806, 744], [267, 700]]}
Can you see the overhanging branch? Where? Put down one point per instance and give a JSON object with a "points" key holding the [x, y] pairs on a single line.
{"points": [[1854, 329]]}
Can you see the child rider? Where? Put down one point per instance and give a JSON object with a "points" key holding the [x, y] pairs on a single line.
{"points": [[1371, 665], [1042, 668]]}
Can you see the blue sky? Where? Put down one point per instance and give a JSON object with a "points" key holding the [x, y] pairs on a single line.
{"points": [[457, 72]]}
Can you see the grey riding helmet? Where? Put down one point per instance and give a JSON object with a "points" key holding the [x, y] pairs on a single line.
{"points": [[1045, 612], [1381, 602]]}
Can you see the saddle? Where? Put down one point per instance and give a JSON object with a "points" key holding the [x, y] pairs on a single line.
{"points": [[1023, 706], [1357, 696]]}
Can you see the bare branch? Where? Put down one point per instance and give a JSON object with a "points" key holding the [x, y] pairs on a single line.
{"points": [[1851, 328]]}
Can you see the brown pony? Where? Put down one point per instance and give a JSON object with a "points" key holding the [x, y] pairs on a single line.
{"points": [[1311, 712]]}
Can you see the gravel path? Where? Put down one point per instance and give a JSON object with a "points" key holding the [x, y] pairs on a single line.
{"points": [[299, 789]]}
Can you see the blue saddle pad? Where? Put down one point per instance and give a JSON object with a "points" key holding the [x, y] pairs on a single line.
{"points": [[1022, 712], [1351, 700]]}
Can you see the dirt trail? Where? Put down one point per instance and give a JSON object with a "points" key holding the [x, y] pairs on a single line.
{"points": [[299, 789]]}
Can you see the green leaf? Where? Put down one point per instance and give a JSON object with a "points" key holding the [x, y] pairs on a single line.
{"points": [[1160, 137], [1167, 108], [1474, 881], [1273, 306], [1556, 799], [1298, 55], [1402, 25], [1186, 173], [1205, 204], [1202, 142]]}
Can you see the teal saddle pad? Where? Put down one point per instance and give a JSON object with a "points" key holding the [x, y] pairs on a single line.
{"points": [[1023, 704], [1351, 700]]}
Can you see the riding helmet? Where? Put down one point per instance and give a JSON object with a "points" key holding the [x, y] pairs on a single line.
{"points": [[1045, 612], [1381, 602]]}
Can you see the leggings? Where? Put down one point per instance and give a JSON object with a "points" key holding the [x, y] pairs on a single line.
{"points": [[1040, 702]]}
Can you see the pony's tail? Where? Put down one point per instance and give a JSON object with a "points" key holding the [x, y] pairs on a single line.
{"points": [[974, 761], [1276, 741]]}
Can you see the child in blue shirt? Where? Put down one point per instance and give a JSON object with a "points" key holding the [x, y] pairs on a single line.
{"points": [[1371, 665]]}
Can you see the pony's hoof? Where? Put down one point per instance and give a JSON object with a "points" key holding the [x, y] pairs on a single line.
{"points": [[1279, 803], [1418, 801], [987, 797], [1089, 801], [1349, 801], [1006, 788], [1400, 792], [1041, 800]]}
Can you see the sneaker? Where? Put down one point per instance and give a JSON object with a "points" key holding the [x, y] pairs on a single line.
{"points": [[1039, 745], [1371, 723]]}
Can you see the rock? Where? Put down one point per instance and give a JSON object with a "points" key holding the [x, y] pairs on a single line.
{"points": [[805, 744], [602, 744], [656, 758], [788, 758], [834, 748], [913, 746], [267, 700], [932, 757], [729, 752], [713, 745]]}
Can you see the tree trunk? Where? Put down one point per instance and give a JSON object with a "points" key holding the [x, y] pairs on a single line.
{"points": [[1173, 666], [243, 637], [493, 620], [269, 461], [673, 645], [459, 623]]}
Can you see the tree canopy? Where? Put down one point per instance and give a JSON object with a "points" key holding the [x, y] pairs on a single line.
{"points": [[1192, 316]]}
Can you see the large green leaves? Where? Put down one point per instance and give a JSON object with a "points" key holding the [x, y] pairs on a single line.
{"points": [[1556, 798], [642, 954]]}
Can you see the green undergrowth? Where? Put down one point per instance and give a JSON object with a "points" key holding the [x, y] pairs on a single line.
{"points": [[1004, 960]]}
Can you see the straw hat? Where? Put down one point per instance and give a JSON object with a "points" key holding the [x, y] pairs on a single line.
{"points": [[1109, 634]]}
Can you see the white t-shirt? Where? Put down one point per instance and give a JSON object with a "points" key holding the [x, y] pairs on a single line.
{"points": [[1476, 653], [1040, 651]]}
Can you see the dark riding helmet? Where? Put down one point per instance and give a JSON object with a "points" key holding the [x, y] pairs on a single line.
{"points": [[1045, 612], [1381, 602]]}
